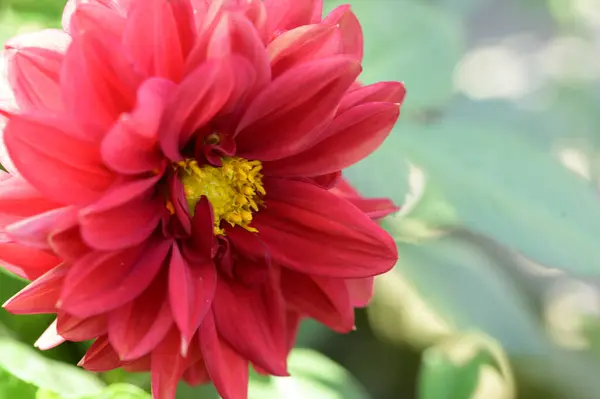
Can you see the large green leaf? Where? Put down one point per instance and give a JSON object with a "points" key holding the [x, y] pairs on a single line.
{"points": [[464, 366], [24, 365]]}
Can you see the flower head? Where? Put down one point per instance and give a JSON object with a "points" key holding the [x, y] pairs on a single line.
{"points": [[174, 189]]}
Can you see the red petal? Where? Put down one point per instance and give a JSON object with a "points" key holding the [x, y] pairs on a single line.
{"points": [[352, 136], [77, 329], [313, 231], [375, 208], [252, 321], [361, 291], [324, 299], [289, 14], [138, 365], [65, 169], [293, 320], [67, 243], [196, 374], [139, 326], [202, 245], [191, 291], [100, 357], [130, 147], [29, 263], [124, 217], [159, 36], [351, 31], [100, 282], [198, 99], [227, 369], [35, 231], [289, 115], [251, 266], [98, 81], [40, 296], [167, 367]]}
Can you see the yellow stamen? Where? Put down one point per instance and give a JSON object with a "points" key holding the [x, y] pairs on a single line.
{"points": [[231, 189]]}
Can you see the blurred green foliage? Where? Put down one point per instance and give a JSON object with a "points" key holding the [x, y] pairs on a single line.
{"points": [[496, 162]]}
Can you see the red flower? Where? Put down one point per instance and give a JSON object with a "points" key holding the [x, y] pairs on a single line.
{"points": [[171, 166]]}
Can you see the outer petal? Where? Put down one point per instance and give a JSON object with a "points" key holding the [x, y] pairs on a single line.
{"points": [[34, 231], [98, 81], [29, 263], [131, 146], [34, 74], [80, 329], [289, 115], [159, 36], [381, 92], [288, 14], [300, 218], [227, 369], [191, 290], [324, 299], [100, 356], [351, 137], [126, 216], [65, 169], [118, 9], [168, 366], [375, 208], [361, 291], [350, 29], [49, 339], [252, 321], [89, 288], [303, 44], [139, 326], [17, 197], [40, 296]]}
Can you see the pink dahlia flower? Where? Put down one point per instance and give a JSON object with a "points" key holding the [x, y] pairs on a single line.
{"points": [[174, 189]]}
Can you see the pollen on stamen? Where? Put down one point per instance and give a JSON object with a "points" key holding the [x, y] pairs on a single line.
{"points": [[234, 189]]}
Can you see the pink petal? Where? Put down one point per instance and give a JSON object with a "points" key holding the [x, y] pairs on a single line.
{"points": [[98, 81], [65, 169], [17, 197], [67, 243], [303, 44], [89, 288], [300, 217], [100, 357], [130, 147], [167, 367], [381, 92], [252, 321], [34, 231], [126, 216], [361, 291], [191, 290], [288, 14], [49, 339], [118, 7], [99, 18], [139, 326], [197, 100], [40, 296], [351, 137], [289, 114], [159, 36], [53, 40], [324, 299], [350, 29], [227, 369], [34, 75]]}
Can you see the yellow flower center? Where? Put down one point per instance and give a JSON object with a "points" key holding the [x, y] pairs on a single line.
{"points": [[233, 189]]}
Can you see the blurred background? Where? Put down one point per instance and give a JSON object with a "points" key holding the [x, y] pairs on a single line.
{"points": [[496, 163]]}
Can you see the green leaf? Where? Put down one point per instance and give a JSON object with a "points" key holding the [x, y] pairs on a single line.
{"points": [[13, 387], [463, 366], [313, 376], [24, 364]]}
